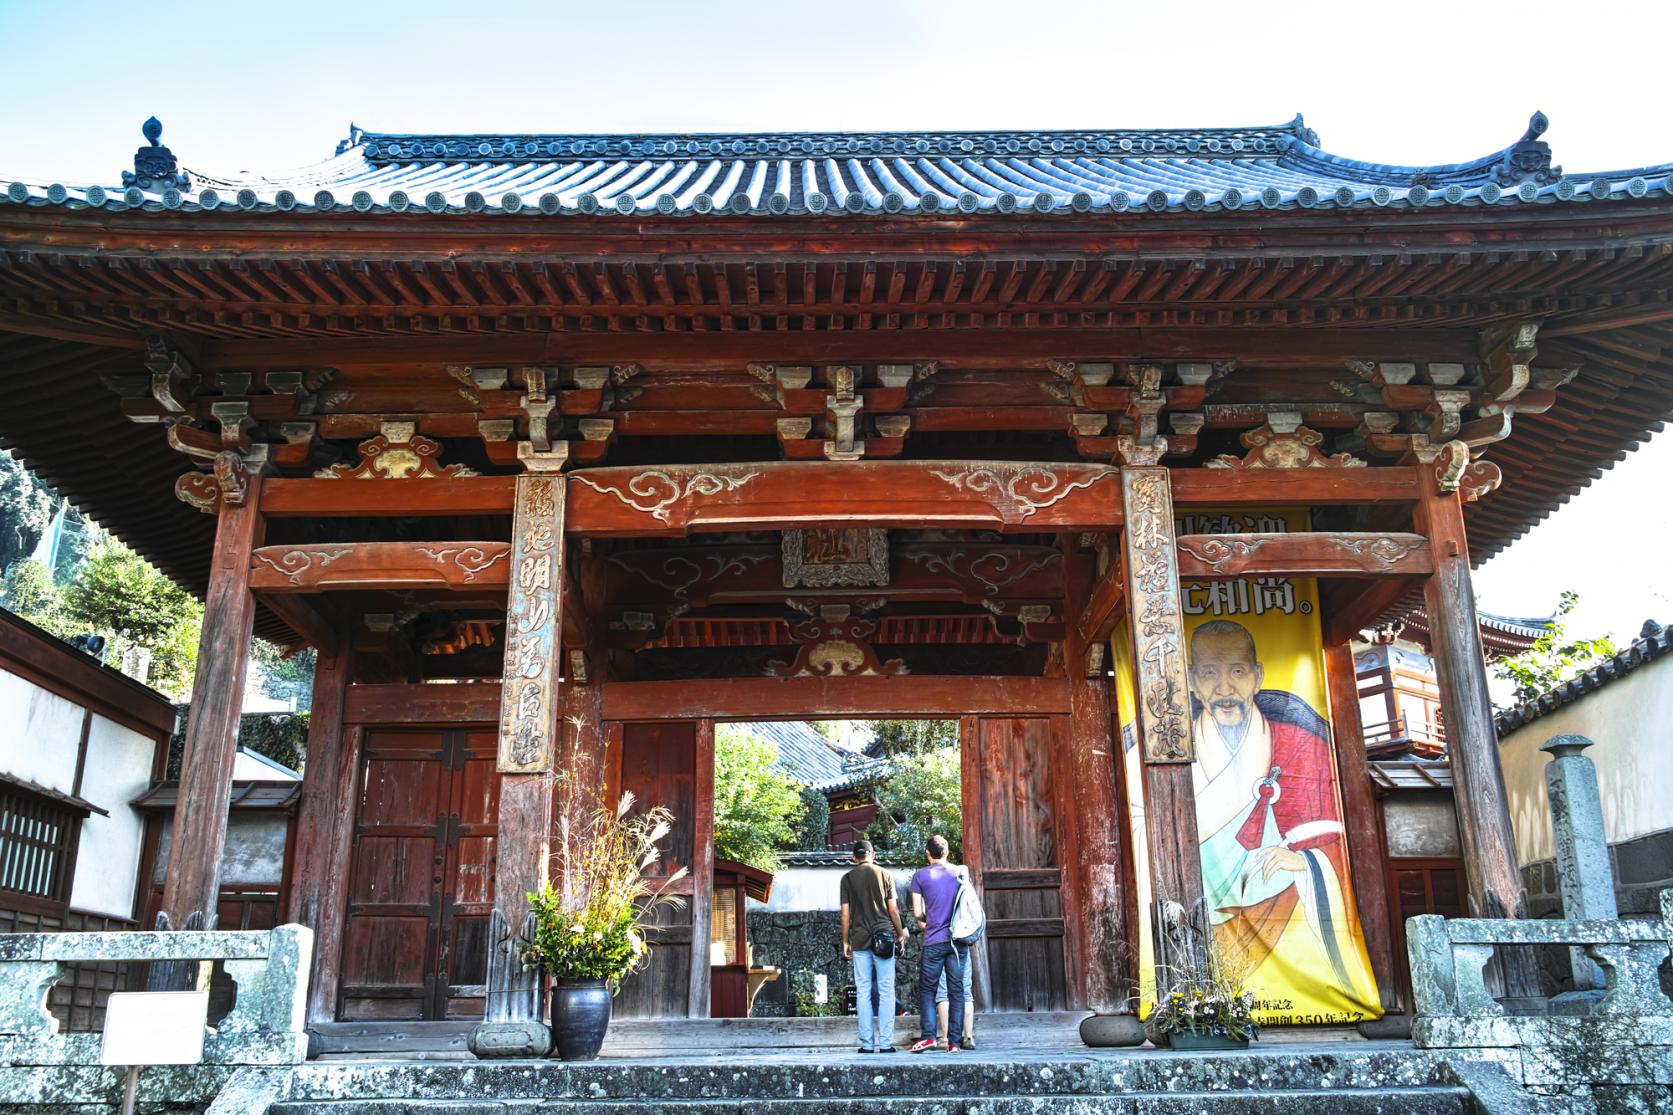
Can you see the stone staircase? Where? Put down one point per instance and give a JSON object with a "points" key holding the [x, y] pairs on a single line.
{"points": [[1358, 1078]]}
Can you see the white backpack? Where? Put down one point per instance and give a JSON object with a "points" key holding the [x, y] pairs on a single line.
{"points": [[969, 919]]}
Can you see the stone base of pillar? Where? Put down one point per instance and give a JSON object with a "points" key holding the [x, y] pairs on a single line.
{"points": [[511, 1039]]}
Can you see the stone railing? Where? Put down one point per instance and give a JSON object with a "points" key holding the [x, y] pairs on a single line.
{"points": [[39, 1065], [1619, 1036]]}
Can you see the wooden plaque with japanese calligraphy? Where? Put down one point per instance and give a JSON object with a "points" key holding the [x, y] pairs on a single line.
{"points": [[1158, 628], [529, 702]]}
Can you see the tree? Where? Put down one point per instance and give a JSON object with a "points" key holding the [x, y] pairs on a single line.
{"points": [[920, 798], [757, 806], [894, 738], [31, 594], [120, 595], [26, 508], [1554, 658], [815, 831]]}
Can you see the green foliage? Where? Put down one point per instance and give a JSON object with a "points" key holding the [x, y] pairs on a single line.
{"points": [[31, 594], [26, 508], [1210, 998], [815, 831], [120, 595], [591, 926], [281, 736], [1553, 659], [920, 798], [911, 737], [758, 807], [804, 996], [283, 676]]}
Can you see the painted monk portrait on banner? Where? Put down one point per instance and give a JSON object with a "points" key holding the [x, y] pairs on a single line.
{"points": [[1267, 816]]}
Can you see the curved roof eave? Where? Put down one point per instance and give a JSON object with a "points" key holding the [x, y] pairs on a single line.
{"points": [[899, 174]]}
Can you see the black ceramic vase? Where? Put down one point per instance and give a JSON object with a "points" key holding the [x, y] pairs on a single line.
{"points": [[580, 1016]]}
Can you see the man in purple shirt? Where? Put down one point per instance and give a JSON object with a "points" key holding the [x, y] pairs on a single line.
{"points": [[934, 889]]}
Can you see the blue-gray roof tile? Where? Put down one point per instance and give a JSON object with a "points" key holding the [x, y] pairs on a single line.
{"points": [[907, 173]]}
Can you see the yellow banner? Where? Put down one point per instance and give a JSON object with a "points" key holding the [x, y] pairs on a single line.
{"points": [[1269, 808]]}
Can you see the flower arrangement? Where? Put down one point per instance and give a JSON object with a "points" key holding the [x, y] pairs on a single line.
{"points": [[1206, 999], [591, 926]]}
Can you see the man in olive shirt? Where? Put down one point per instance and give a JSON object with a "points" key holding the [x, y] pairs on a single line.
{"points": [[869, 907]]}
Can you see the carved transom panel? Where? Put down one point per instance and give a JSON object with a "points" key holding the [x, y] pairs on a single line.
{"points": [[831, 557]]}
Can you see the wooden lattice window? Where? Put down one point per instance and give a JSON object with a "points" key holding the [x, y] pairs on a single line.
{"points": [[37, 844]]}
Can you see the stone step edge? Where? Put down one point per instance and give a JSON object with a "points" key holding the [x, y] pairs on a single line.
{"points": [[1345, 1097]]}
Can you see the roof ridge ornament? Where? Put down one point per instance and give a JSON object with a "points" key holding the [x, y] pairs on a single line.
{"points": [[1529, 158], [357, 136], [155, 167]]}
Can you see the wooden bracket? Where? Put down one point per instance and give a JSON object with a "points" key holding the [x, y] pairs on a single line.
{"points": [[1283, 443]]}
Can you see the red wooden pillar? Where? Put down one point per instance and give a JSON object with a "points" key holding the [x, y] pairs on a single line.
{"points": [[1363, 819], [1095, 805], [325, 824], [200, 814], [1488, 842], [1157, 628], [530, 706]]}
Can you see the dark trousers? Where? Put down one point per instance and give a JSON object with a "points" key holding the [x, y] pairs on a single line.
{"points": [[936, 958]]}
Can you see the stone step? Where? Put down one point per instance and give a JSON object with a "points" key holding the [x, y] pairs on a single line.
{"points": [[1409, 1101], [990, 1072]]}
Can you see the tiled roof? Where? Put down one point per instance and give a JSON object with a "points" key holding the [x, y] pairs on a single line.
{"points": [[1652, 643], [810, 758], [904, 173]]}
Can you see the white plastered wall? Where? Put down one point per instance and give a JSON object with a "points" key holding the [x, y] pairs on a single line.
{"points": [[1628, 721], [40, 733], [107, 866]]}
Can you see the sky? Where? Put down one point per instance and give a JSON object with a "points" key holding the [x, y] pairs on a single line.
{"points": [[264, 88]]}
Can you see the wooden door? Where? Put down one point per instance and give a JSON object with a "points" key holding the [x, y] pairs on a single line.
{"points": [[421, 876], [1012, 846], [467, 897], [667, 764]]}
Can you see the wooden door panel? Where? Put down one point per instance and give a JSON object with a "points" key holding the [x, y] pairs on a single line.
{"points": [[1012, 821], [657, 763], [661, 988], [394, 871], [422, 877]]}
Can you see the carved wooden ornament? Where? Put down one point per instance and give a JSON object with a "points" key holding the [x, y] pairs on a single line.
{"points": [[398, 453], [227, 483], [529, 699], [1284, 443], [1158, 627], [836, 557], [835, 644], [1018, 491]]}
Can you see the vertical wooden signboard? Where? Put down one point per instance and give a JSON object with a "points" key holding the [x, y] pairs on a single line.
{"points": [[1158, 627], [528, 704]]}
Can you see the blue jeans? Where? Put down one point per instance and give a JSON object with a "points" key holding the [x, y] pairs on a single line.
{"points": [[877, 1030], [941, 957]]}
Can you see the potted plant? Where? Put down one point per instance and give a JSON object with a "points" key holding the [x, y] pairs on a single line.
{"points": [[1206, 1006], [589, 931]]}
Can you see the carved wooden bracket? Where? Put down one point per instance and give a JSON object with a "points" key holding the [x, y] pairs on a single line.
{"points": [[226, 484], [173, 380], [1479, 478], [1284, 443], [834, 643], [1449, 462], [398, 453]]}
